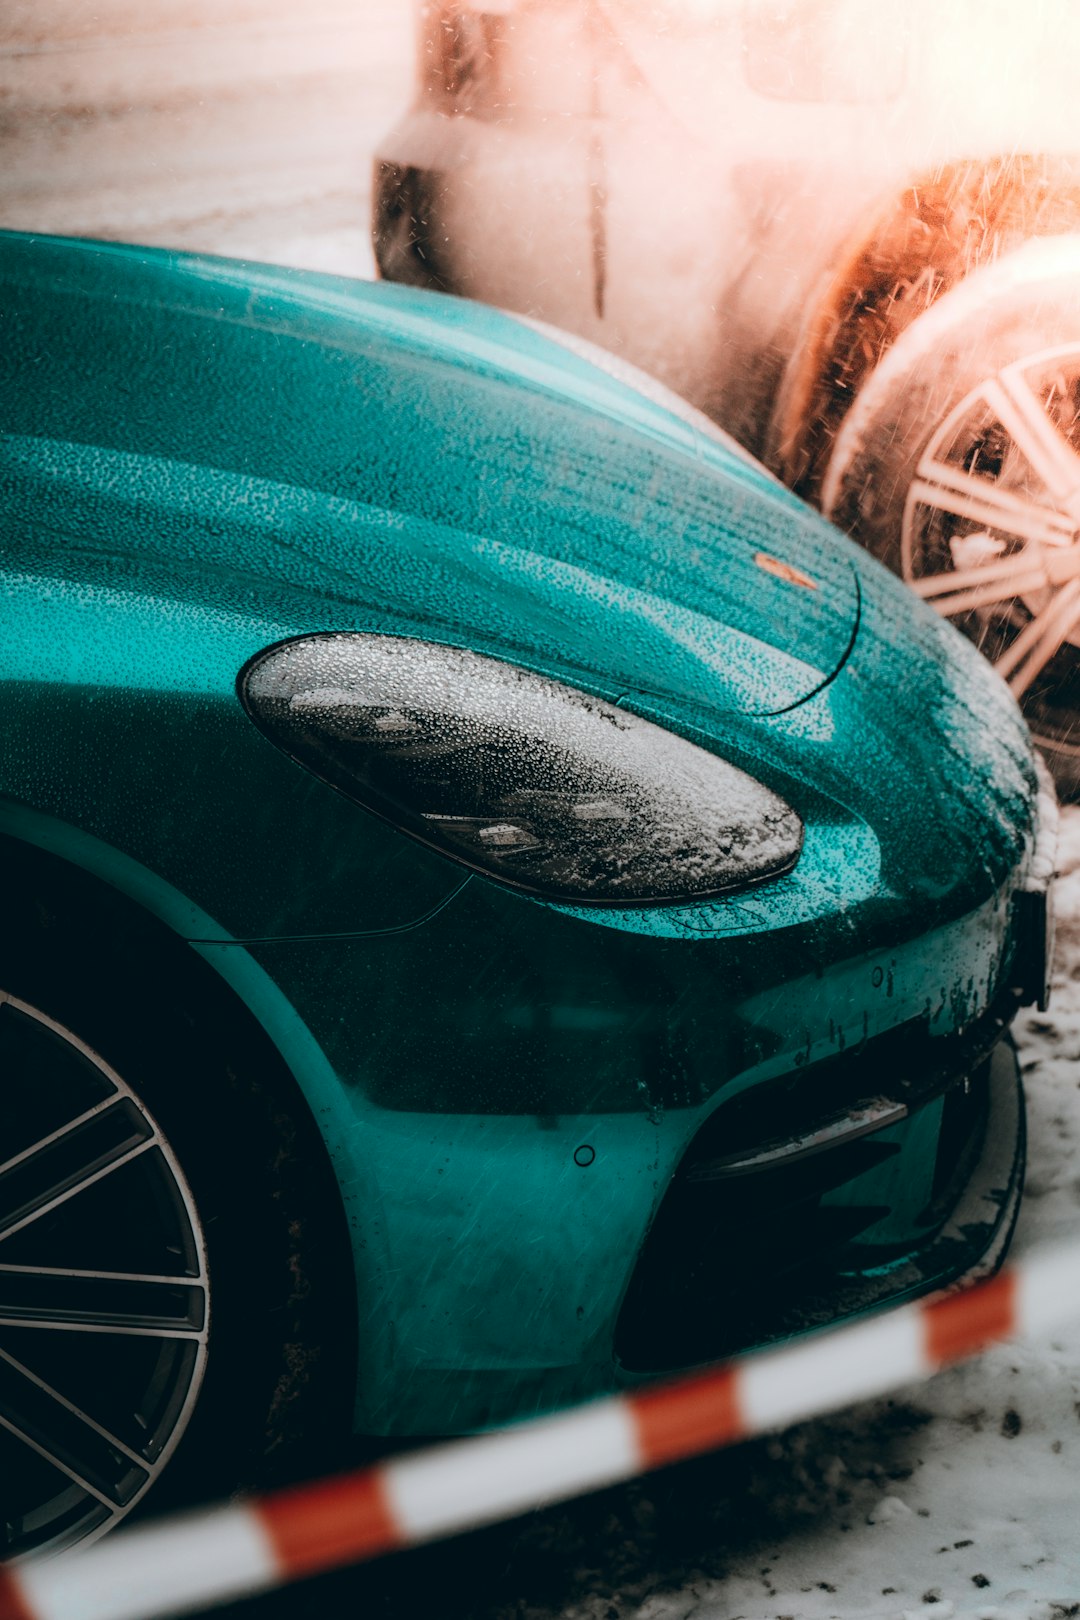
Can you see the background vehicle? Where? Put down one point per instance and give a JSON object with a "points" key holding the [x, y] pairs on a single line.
{"points": [[850, 236], [469, 839]]}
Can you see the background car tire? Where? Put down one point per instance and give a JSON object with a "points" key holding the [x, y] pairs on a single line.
{"points": [[193, 1164], [958, 464]]}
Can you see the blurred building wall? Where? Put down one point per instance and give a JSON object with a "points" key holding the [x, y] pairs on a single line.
{"points": [[235, 126]]}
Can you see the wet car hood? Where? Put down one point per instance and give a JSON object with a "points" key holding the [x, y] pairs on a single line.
{"points": [[452, 468]]}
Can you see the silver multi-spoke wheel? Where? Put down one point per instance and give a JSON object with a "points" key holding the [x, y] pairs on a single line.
{"points": [[104, 1298], [959, 464], [992, 519]]}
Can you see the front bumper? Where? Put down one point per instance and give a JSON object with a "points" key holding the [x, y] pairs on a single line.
{"points": [[500, 1255], [899, 1169], [514, 1100]]}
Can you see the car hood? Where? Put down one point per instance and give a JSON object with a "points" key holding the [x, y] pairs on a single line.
{"points": [[450, 469]]}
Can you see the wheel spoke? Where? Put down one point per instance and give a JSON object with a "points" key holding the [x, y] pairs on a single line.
{"points": [[70, 1160], [67, 1437], [164, 1307], [951, 603], [983, 500], [1039, 641], [104, 1299], [1009, 576], [1047, 450]]}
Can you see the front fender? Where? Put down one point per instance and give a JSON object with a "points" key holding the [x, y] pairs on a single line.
{"points": [[124, 748]]}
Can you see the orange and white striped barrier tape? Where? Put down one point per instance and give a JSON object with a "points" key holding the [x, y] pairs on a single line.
{"points": [[227, 1552]]}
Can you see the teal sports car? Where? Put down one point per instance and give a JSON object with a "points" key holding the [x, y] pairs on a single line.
{"points": [[499, 899]]}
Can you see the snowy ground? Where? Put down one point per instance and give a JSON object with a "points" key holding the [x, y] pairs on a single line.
{"points": [[206, 125]]}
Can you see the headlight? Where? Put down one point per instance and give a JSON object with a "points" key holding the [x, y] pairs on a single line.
{"points": [[533, 783]]}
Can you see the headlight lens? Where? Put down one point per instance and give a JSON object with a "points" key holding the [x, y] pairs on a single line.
{"points": [[531, 782]]}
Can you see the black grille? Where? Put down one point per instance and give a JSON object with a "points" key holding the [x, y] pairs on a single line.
{"points": [[763, 1235]]}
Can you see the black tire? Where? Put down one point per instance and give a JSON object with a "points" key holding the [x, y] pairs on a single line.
{"points": [[192, 1163], [954, 466]]}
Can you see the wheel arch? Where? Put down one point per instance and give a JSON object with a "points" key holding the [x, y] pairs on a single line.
{"points": [[918, 244], [58, 880], [104, 883]]}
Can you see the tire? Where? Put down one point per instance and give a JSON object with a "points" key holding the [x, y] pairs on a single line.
{"points": [[161, 1317], [958, 464]]}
